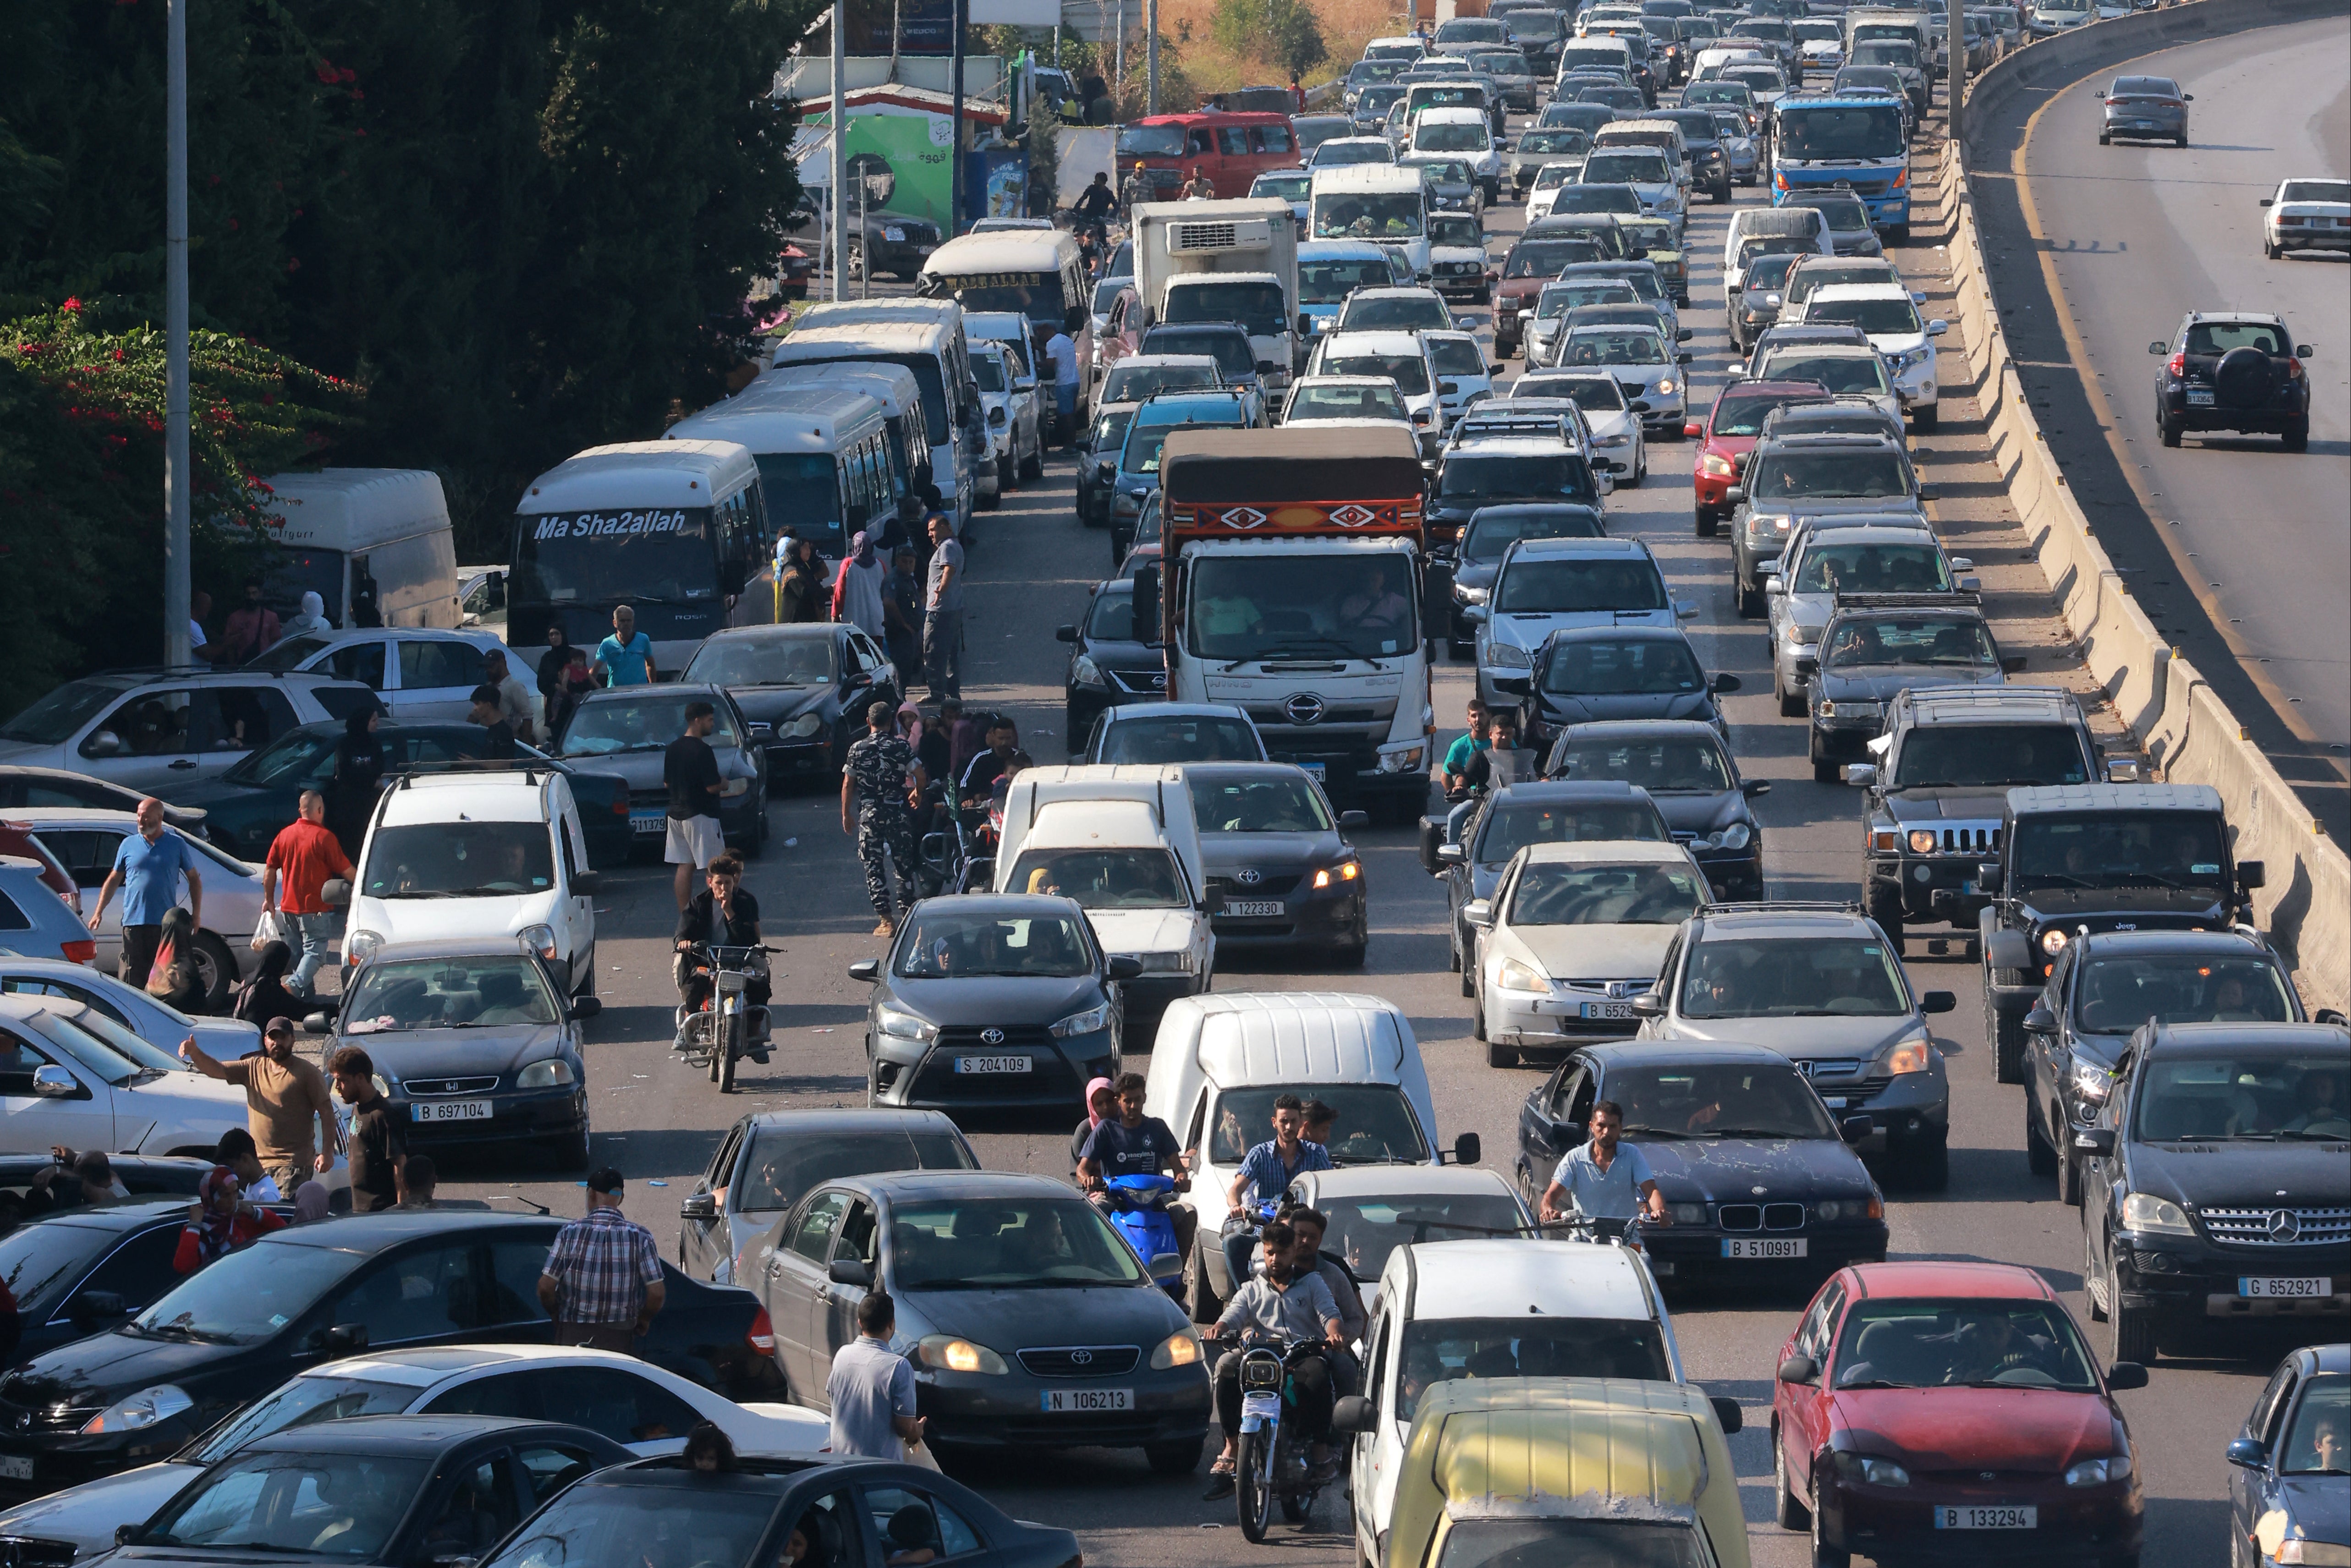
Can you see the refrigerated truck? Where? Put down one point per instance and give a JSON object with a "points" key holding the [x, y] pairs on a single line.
{"points": [[1226, 261]]}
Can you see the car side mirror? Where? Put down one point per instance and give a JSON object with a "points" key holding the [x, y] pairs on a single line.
{"points": [[1724, 683], [1476, 615], [318, 1023], [1683, 336], [1351, 820], [2126, 1375], [124, 1534], [335, 892], [1735, 495], [1855, 1129], [1604, 485], [1863, 773], [586, 1008], [1124, 967], [1727, 1412], [1516, 686], [1448, 389], [851, 1272], [699, 1206], [2245, 1453], [2251, 874], [53, 1082], [1451, 855], [2039, 1020], [1929, 492], [2303, 352], [1468, 1149], [1305, 324], [2012, 663], [866, 969], [995, 416], [2097, 1141], [1798, 1369], [1775, 583], [1648, 1005], [1936, 327], [1065, 634], [1752, 787], [1939, 1002], [344, 1338], [2155, 348], [2267, 201], [1479, 912], [1354, 1414], [97, 1306], [584, 882], [105, 743], [1685, 357]]}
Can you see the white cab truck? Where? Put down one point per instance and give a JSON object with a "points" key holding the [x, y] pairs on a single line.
{"points": [[1294, 578], [1226, 261], [1122, 841]]}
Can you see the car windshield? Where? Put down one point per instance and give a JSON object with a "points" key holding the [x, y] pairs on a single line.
{"points": [[1885, 52], [335, 1504], [1112, 618], [1282, 187], [39, 1263], [1914, 1343], [1440, 1350], [1587, 197], [1498, 63], [1842, 132], [1785, 474], [2181, 849], [301, 756], [1153, 739], [1368, 214], [1148, 141], [1990, 757], [944, 942], [459, 859], [1492, 531], [1534, 476], [1843, 214], [305, 1402], [2116, 995], [1277, 804], [601, 727], [1719, 1100], [1941, 641], [1449, 136], [1506, 829], [2261, 1097], [1409, 371], [498, 991], [1366, 1231], [987, 370], [1230, 350], [1102, 879], [1872, 568], [1614, 166], [1662, 765], [1107, 291], [649, 556], [1647, 234], [1593, 395], [1890, 317], [1145, 442], [1005, 1244], [1819, 976], [1735, 415], [1329, 281], [247, 1297], [1549, 258], [2314, 190], [1528, 1543], [1641, 894], [54, 718], [1133, 383], [1614, 345], [1241, 610], [784, 1164], [1351, 151], [1659, 666], [1447, 172], [1259, 308], [2316, 1445], [1564, 139], [594, 1526], [1374, 1126], [1393, 313], [765, 661], [1578, 587], [1357, 400], [1559, 299]]}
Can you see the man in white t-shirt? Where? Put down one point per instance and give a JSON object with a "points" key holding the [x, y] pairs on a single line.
{"points": [[1063, 351]]}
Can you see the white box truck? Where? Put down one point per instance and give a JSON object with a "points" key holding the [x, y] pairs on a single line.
{"points": [[1226, 261]]}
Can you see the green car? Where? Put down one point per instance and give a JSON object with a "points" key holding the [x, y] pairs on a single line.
{"points": [[1652, 238]]}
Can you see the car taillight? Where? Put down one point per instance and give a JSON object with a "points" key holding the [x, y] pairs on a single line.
{"points": [[762, 1336], [619, 805], [79, 952], [2294, 370], [2178, 365]]}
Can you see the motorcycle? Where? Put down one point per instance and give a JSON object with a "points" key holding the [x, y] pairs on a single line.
{"points": [[1273, 1461], [1138, 1211], [726, 1027]]}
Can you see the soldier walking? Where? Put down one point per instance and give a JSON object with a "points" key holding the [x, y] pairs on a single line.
{"points": [[878, 784]]}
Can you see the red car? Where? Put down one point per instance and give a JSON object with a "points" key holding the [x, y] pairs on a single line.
{"points": [[1928, 1413], [1729, 435]]}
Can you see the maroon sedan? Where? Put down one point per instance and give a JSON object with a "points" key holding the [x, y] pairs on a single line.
{"points": [[1730, 434], [1950, 1412]]}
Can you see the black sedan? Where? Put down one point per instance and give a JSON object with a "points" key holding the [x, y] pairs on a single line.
{"points": [[415, 1277], [1759, 1177], [1000, 1001], [1588, 673], [804, 689], [1280, 871], [1108, 663], [87, 1268], [1032, 1320], [483, 1045], [626, 729], [395, 1491], [2286, 1469], [1487, 536], [1689, 773], [844, 1511]]}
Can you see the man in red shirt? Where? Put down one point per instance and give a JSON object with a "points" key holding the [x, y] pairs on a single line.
{"points": [[251, 628], [302, 858]]}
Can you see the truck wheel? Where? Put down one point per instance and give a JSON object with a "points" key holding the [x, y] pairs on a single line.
{"points": [[2007, 1046]]}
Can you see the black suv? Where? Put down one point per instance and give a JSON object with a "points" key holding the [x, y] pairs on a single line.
{"points": [[2080, 857], [2109, 983], [2212, 1193], [1876, 646], [2222, 371], [1939, 785], [1108, 663], [1709, 165]]}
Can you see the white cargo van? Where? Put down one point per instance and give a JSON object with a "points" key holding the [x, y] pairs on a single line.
{"points": [[1122, 841], [372, 543]]}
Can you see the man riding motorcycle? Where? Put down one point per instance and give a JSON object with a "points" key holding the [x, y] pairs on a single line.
{"points": [[726, 915], [1603, 1179], [1288, 1301], [1266, 1173]]}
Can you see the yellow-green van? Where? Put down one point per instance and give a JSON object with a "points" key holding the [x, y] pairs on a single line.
{"points": [[1508, 1471]]}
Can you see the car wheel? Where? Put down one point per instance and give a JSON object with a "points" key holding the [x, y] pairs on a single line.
{"points": [[2168, 429], [1885, 906], [216, 968], [2179, 141], [2297, 437], [1793, 705], [1790, 1510], [1172, 1458], [1926, 1161], [1199, 1296], [569, 1151], [2269, 250], [857, 257], [1477, 1008], [1926, 418], [1824, 1554], [2104, 140], [1457, 649], [2040, 1158], [1824, 771], [1706, 521], [1500, 1055], [1033, 466], [1350, 955], [2133, 1327], [1750, 600], [2069, 1177]]}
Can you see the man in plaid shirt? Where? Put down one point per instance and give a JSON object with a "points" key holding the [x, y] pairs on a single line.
{"points": [[603, 1283]]}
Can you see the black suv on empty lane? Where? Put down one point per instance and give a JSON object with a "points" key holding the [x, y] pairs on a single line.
{"points": [[2223, 370]]}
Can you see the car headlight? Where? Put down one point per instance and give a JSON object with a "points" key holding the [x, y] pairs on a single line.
{"points": [[905, 1026], [1665, 385], [1687, 1213], [1346, 870], [1514, 976], [1734, 837], [1086, 1022], [2092, 1082], [1178, 963], [1715, 467], [360, 944], [949, 1354], [1619, 439], [1508, 655], [1910, 1056], [1828, 1210], [800, 729], [144, 1408], [735, 789], [2145, 1211], [552, 1073], [1871, 1470], [1083, 671], [2099, 1472], [1469, 595], [1180, 1348], [1922, 840], [1827, 709], [539, 939], [2054, 940]]}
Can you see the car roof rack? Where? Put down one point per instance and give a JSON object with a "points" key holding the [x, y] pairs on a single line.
{"points": [[1785, 906], [1957, 599], [1471, 425], [532, 769]]}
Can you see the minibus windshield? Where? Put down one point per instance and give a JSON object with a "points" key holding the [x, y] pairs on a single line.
{"points": [[653, 555]]}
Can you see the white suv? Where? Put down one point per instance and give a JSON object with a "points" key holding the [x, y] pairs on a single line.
{"points": [[473, 855], [1888, 315]]}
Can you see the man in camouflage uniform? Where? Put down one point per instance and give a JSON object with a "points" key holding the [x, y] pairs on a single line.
{"points": [[876, 782]]}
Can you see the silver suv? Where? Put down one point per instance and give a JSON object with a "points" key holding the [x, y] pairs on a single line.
{"points": [[154, 730], [1820, 984]]}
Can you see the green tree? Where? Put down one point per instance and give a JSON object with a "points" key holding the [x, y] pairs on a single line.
{"points": [[1284, 33]]}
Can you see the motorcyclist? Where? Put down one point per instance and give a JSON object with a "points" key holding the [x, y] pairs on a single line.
{"points": [[724, 914], [1480, 772], [979, 776], [1285, 1302], [1132, 1144], [1266, 1173], [1602, 1178], [1096, 203]]}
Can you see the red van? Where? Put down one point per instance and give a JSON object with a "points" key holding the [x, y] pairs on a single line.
{"points": [[1231, 149]]}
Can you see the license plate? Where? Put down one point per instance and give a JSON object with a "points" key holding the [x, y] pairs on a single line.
{"points": [[2200, 397], [15, 1468], [1317, 771], [1987, 1516], [1264, 1406], [449, 1109], [1083, 1401], [1253, 908], [894, 235], [649, 821], [972, 1064], [1764, 1247], [2284, 1290], [1605, 1011]]}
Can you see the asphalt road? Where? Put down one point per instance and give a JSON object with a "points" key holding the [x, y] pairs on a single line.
{"points": [[2236, 549], [1031, 568]]}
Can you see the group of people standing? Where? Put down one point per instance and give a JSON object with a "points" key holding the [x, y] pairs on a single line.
{"points": [[914, 611]]}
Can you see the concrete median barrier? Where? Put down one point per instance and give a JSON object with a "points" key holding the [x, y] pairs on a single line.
{"points": [[2190, 734]]}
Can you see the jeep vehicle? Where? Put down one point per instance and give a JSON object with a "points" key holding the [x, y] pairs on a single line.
{"points": [[1820, 984], [2109, 984], [2225, 371], [2079, 858], [1807, 476], [1876, 644], [2212, 1196], [1940, 781]]}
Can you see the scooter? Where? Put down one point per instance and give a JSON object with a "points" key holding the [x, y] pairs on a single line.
{"points": [[726, 1025], [1138, 1210], [1273, 1459]]}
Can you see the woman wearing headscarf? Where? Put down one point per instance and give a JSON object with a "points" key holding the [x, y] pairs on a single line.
{"points": [[175, 980], [1100, 1103], [310, 1200], [857, 588], [220, 1222], [359, 773], [313, 619], [800, 591], [265, 997]]}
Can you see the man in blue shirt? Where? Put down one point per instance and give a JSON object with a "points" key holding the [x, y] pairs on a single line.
{"points": [[1602, 1178], [148, 867], [1265, 1174], [626, 657]]}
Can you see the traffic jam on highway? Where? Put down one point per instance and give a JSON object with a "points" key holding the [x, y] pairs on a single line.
{"points": [[1877, 1098]]}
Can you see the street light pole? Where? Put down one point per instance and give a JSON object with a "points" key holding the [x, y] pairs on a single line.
{"points": [[841, 161], [1151, 50], [176, 477], [1955, 84], [954, 126]]}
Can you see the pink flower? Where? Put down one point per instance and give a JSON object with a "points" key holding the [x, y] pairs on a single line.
{"points": [[73, 302]]}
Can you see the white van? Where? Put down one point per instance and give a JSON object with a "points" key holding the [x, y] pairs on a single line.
{"points": [[1122, 841], [926, 338], [901, 397], [1794, 227], [494, 857], [372, 543], [674, 528], [823, 456], [1376, 202], [1220, 1061]]}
